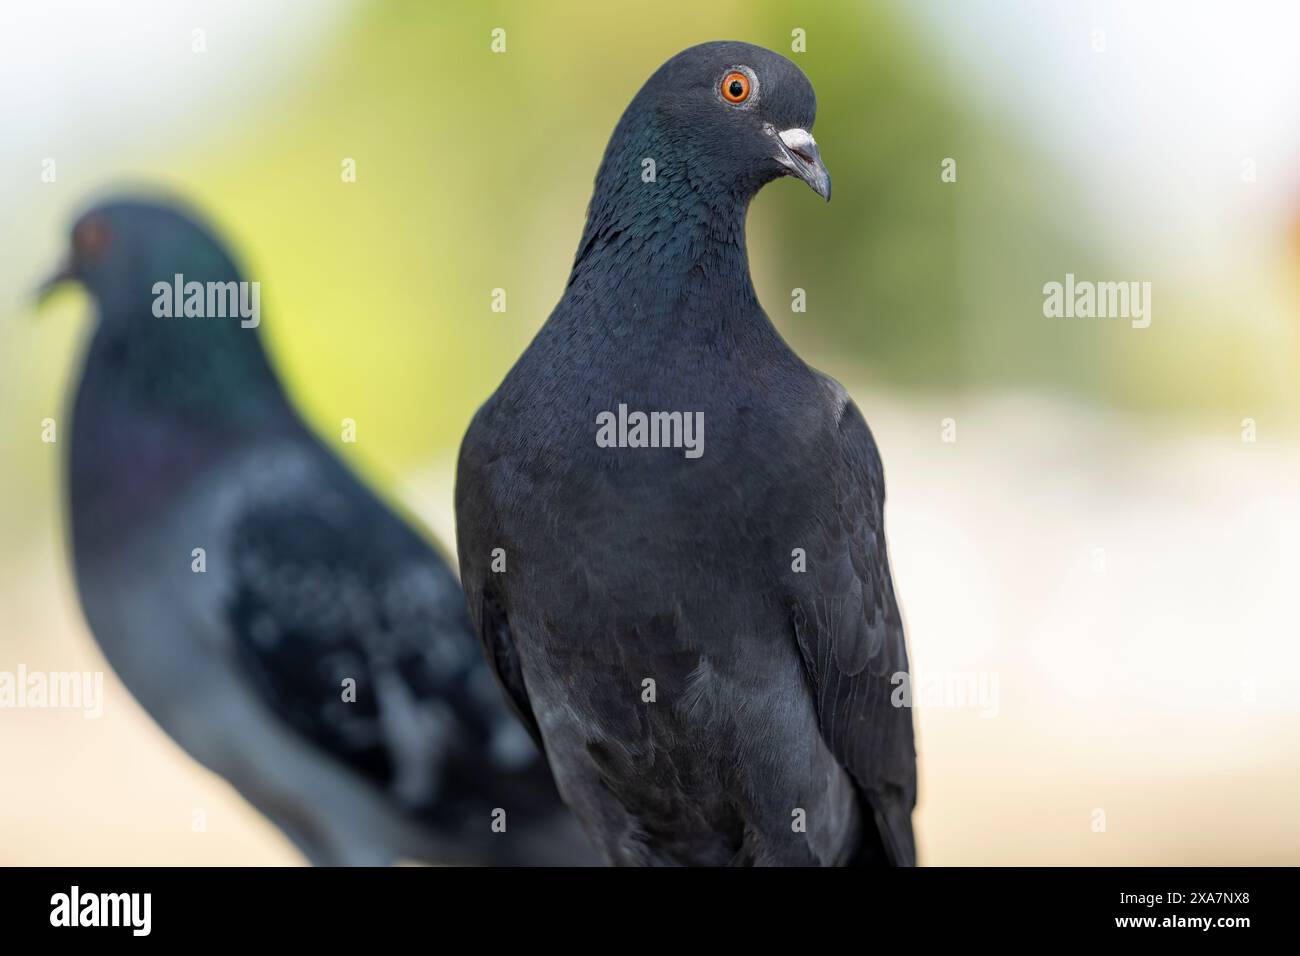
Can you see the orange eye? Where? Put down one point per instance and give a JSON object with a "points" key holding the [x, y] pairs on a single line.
{"points": [[735, 87]]}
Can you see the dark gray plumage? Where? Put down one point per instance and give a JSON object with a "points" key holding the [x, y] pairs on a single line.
{"points": [[628, 564], [182, 438]]}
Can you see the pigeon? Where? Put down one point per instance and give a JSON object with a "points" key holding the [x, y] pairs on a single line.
{"points": [[670, 528], [290, 631]]}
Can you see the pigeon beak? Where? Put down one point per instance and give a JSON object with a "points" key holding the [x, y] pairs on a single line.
{"points": [[45, 291], [800, 156]]}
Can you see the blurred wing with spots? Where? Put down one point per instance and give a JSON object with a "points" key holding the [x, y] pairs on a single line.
{"points": [[351, 626]]}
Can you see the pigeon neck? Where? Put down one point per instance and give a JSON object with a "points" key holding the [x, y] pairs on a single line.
{"points": [[204, 370], [152, 413], [666, 257]]}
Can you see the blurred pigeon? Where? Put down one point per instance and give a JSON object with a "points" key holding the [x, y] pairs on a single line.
{"points": [[284, 626], [703, 634]]}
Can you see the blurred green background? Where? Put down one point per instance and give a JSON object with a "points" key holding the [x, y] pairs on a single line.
{"points": [[473, 173]]}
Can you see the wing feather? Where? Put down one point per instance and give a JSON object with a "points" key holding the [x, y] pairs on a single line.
{"points": [[850, 633]]}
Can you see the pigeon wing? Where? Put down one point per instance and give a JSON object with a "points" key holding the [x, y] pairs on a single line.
{"points": [[850, 635], [478, 535], [354, 631]]}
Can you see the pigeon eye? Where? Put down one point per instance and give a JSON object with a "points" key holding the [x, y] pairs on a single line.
{"points": [[735, 87], [89, 239]]}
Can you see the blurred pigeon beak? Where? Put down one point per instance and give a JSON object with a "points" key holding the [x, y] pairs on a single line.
{"points": [[46, 289], [799, 154]]}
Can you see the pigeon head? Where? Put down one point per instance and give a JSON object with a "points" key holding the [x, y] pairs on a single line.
{"points": [[705, 133], [120, 249], [738, 114], [728, 116], [177, 325]]}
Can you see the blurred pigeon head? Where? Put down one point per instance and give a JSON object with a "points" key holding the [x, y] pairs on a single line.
{"points": [[180, 322], [732, 116], [118, 250]]}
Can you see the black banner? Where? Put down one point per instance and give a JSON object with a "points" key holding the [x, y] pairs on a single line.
{"points": [[435, 905]]}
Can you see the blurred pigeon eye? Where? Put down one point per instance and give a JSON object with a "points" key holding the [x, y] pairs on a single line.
{"points": [[89, 239], [735, 87]]}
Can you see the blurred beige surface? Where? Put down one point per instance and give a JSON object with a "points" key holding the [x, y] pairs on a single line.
{"points": [[1130, 584]]}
